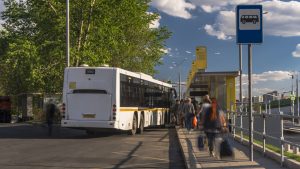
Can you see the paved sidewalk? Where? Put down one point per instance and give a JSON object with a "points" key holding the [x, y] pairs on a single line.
{"points": [[201, 159]]}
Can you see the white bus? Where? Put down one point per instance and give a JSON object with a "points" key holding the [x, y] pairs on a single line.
{"points": [[113, 98]]}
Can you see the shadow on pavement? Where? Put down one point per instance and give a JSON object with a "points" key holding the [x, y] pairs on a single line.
{"points": [[30, 131], [129, 156]]}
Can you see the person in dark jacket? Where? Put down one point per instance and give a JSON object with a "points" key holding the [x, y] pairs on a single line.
{"points": [[213, 121], [189, 113], [50, 113], [175, 113], [202, 106]]}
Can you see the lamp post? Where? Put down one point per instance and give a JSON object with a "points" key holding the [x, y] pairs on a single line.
{"points": [[67, 34], [297, 95], [179, 75], [292, 93]]}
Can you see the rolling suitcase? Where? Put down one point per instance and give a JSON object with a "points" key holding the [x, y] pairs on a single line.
{"points": [[226, 149], [201, 142]]}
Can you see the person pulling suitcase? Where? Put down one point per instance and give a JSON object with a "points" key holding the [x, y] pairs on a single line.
{"points": [[213, 120]]}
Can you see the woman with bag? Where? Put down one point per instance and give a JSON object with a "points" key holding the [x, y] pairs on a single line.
{"points": [[213, 122], [189, 113]]}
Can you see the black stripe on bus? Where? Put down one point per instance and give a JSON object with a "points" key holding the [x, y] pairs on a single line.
{"points": [[90, 91]]}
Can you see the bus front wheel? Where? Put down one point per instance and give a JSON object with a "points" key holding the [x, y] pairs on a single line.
{"points": [[134, 126]]}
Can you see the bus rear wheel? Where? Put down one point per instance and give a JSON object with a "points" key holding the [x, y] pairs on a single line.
{"points": [[134, 126], [141, 128]]}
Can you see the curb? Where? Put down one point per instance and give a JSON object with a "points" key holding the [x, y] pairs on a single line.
{"points": [[181, 149], [189, 158]]}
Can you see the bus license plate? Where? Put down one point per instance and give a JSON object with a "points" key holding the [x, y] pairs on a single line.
{"points": [[90, 116]]}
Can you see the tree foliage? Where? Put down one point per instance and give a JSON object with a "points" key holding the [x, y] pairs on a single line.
{"points": [[113, 32]]}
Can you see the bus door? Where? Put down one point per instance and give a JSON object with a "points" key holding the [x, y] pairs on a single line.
{"points": [[89, 104]]}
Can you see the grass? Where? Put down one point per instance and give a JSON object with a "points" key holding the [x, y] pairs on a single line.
{"points": [[273, 148]]}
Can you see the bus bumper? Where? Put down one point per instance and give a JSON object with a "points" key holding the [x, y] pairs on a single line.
{"points": [[88, 124]]}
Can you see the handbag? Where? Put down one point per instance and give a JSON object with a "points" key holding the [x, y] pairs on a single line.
{"points": [[194, 122]]}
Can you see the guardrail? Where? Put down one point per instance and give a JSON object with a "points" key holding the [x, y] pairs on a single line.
{"points": [[236, 115]]}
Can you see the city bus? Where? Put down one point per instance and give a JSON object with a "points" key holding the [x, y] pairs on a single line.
{"points": [[113, 98]]}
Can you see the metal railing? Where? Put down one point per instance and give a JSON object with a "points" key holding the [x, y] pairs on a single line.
{"points": [[234, 115]]}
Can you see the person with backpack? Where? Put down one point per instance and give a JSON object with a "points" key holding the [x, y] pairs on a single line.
{"points": [[189, 114], [213, 120], [206, 102]]}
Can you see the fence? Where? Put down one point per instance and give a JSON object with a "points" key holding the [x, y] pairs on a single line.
{"points": [[267, 128], [30, 106]]}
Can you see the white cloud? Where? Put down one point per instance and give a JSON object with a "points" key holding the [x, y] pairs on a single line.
{"points": [[154, 24], [296, 53], [210, 6], [261, 91], [217, 53], [176, 8], [213, 32], [188, 51], [166, 51], [281, 20], [266, 82], [267, 76]]}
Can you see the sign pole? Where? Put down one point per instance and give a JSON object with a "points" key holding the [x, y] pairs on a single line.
{"points": [[249, 30], [241, 89], [250, 101]]}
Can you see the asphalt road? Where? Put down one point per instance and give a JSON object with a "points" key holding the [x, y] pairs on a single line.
{"points": [[25, 146]]}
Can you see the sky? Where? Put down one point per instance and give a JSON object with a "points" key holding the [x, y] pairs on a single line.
{"points": [[211, 23]]}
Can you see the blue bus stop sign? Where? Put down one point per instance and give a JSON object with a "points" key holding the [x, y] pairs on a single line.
{"points": [[249, 23]]}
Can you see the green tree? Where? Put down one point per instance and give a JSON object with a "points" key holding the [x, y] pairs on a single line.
{"points": [[114, 32]]}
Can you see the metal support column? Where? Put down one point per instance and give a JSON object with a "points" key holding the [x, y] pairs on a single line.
{"points": [[281, 139], [250, 116], [264, 133], [241, 67], [179, 86], [297, 95]]}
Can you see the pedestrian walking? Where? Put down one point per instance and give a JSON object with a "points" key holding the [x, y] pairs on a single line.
{"points": [[206, 102], [50, 113], [181, 115], [175, 113], [213, 121], [189, 114]]}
